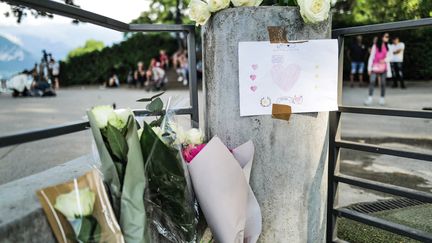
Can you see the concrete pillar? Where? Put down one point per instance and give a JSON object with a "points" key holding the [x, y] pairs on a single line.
{"points": [[289, 175]]}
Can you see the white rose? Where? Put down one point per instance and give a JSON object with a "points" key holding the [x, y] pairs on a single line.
{"points": [[102, 114], [216, 5], [194, 137], [180, 135], [76, 204], [247, 3], [199, 11], [314, 11], [120, 118]]}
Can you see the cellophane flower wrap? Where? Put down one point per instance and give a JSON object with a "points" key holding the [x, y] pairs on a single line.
{"points": [[169, 200], [122, 166], [79, 211]]}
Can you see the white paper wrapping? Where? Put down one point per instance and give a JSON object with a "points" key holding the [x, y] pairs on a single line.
{"points": [[220, 180]]}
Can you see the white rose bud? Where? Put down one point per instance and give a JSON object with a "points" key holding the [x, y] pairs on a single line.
{"points": [[314, 11], [102, 114], [216, 5], [76, 204], [246, 3], [199, 12], [194, 137]]}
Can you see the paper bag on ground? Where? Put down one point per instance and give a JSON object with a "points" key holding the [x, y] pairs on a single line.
{"points": [[80, 210]]}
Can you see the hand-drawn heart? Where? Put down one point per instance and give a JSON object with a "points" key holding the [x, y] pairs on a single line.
{"points": [[254, 66], [285, 76], [253, 77], [253, 88]]}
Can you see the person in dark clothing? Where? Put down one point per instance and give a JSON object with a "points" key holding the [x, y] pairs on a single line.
{"points": [[357, 55]]}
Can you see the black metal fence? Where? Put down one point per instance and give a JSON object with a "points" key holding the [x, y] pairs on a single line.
{"points": [[90, 17], [336, 143]]}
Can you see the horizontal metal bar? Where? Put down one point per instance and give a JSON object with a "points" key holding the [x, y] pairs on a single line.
{"points": [[369, 29], [182, 111], [386, 112], [160, 27], [382, 150], [39, 134], [384, 224], [385, 188], [72, 12]]}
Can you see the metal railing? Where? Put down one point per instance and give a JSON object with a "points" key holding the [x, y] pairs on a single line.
{"points": [[90, 17], [336, 143]]}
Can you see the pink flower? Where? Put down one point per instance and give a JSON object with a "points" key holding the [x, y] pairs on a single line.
{"points": [[191, 151]]}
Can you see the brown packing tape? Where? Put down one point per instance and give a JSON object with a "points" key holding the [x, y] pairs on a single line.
{"points": [[280, 111], [102, 211], [277, 34]]}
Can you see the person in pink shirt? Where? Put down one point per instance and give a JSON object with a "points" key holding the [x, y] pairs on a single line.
{"points": [[379, 67]]}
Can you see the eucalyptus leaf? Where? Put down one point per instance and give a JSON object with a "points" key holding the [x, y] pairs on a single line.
{"points": [[117, 143], [151, 98], [157, 122], [155, 105]]}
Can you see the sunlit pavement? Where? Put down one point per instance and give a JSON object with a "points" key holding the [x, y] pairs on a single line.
{"points": [[19, 114]]}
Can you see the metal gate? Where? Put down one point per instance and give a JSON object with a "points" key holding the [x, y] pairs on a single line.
{"points": [[336, 143]]}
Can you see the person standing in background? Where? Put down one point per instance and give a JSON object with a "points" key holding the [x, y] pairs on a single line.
{"points": [[397, 62], [357, 54], [55, 71], [379, 67]]}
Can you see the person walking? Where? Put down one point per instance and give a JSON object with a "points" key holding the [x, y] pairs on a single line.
{"points": [[396, 62], [379, 68], [357, 55]]}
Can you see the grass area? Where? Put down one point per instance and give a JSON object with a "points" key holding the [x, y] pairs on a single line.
{"points": [[418, 217]]}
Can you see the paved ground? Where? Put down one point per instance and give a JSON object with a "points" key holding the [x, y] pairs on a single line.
{"points": [[71, 104]]}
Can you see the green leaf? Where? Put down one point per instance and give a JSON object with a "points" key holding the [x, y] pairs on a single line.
{"points": [[151, 98], [90, 230], [157, 122], [155, 106], [117, 143]]}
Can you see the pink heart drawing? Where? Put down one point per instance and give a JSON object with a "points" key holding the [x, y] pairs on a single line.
{"points": [[253, 88], [285, 76], [253, 77], [254, 66], [298, 99]]}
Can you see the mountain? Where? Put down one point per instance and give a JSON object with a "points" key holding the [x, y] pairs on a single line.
{"points": [[13, 58]]}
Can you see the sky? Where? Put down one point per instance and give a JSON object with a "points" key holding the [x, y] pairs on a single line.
{"points": [[59, 33]]}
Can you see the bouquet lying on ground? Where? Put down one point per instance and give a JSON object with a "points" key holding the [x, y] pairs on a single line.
{"points": [[122, 166], [79, 211]]}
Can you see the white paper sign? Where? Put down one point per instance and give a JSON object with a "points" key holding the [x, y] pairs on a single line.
{"points": [[303, 76]]}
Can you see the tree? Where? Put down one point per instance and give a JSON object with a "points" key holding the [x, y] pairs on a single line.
{"points": [[19, 12], [89, 46]]}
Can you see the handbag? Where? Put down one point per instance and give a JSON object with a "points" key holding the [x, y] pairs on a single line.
{"points": [[379, 67]]}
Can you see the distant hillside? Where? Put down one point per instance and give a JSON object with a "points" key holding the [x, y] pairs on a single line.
{"points": [[13, 58]]}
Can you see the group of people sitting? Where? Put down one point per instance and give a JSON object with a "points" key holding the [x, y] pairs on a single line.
{"points": [[154, 76]]}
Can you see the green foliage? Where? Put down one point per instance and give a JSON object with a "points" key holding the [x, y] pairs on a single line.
{"points": [[96, 67], [89, 46]]}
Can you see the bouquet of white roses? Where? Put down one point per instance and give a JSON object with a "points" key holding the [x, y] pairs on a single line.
{"points": [[122, 166]]}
